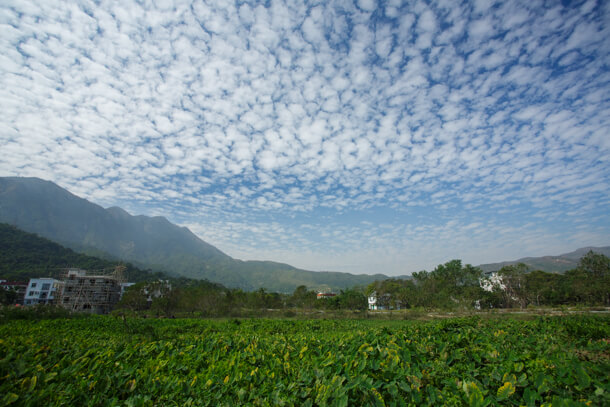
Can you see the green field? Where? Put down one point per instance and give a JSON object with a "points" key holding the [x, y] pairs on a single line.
{"points": [[562, 361]]}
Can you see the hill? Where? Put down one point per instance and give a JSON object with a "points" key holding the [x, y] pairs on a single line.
{"points": [[42, 207], [550, 264], [25, 255]]}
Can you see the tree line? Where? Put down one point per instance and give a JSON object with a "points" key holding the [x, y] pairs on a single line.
{"points": [[449, 286], [453, 285], [206, 299]]}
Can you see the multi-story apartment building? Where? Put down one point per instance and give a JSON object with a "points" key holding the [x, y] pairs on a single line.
{"points": [[41, 291]]}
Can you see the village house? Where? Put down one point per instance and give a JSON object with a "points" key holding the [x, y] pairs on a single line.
{"points": [[17, 287], [382, 302], [42, 291]]}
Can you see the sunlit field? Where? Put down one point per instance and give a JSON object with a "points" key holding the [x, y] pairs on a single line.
{"points": [[457, 361]]}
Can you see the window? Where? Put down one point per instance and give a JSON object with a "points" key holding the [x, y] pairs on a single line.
{"points": [[33, 285], [46, 286]]}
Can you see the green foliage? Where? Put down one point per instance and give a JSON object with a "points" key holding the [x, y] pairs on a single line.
{"points": [[36, 312], [448, 286], [595, 264], [8, 296], [103, 361]]}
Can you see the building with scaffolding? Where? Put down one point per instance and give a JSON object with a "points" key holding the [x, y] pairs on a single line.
{"points": [[94, 292]]}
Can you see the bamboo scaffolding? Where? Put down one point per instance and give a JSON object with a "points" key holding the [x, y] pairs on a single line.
{"points": [[94, 292]]}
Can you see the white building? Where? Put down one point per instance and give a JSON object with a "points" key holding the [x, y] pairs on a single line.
{"points": [[373, 300], [383, 302], [41, 291]]}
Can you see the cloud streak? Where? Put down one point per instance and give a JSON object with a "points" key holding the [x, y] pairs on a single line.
{"points": [[214, 113]]}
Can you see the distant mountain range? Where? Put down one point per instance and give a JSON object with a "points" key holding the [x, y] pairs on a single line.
{"points": [[42, 207], [551, 264]]}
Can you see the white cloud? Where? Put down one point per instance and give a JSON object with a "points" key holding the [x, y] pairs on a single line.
{"points": [[287, 110], [367, 5]]}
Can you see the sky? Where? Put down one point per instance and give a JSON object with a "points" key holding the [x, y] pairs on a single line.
{"points": [[359, 136]]}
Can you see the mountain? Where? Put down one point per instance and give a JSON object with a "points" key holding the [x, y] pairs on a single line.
{"points": [[551, 264], [42, 207]]}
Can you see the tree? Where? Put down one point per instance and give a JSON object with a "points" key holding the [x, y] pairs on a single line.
{"points": [[595, 264], [135, 298], [449, 285], [597, 269], [542, 288], [164, 298], [8, 296], [513, 278], [302, 297], [352, 300]]}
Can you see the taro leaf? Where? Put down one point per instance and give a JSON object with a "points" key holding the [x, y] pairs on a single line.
{"points": [[530, 396], [342, 401], [582, 377], [509, 377], [475, 399], [505, 391], [10, 398]]}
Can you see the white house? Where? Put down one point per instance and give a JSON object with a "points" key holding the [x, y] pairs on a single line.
{"points": [[383, 302], [41, 291], [373, 300]]}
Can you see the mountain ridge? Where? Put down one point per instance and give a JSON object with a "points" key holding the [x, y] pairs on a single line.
{"points": [[42, 207], [553, 264]]}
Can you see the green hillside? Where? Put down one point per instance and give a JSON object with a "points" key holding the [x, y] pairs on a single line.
{"points": [[25, 255]]}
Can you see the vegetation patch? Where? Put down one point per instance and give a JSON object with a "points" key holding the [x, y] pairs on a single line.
{"points": [[103, 361]]}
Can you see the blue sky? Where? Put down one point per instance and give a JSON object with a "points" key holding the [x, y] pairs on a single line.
{"points": [[352, 136]]}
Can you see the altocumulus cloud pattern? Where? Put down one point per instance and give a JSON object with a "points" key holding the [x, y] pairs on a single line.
{"points": [[358, 136]]}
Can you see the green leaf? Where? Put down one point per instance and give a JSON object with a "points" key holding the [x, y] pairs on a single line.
{"points": [[342, 401], [33, 382], [530, 396], [509, 377], [475, 399], [505, 391], [10, 398], [582, 377]]}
